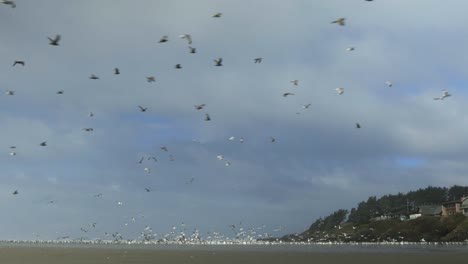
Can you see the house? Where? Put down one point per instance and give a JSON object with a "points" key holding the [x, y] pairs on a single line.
{"points": [[430, 210], [451, 207], [464, 206]]}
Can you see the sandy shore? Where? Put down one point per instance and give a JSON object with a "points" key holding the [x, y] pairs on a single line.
{"points": [[24, 255]]}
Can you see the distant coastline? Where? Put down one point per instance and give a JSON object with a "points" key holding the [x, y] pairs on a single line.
{"points": [[430, 215]]}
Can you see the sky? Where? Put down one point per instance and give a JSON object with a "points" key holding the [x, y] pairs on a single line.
{"points": [[320, 161]]}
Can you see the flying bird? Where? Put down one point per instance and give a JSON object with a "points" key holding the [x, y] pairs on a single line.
{"points": [[178, 66], [141, 160], [187, 37], [91, 114], [258, 60], [207, 117], [153, 158], [15, 192], [13, 153], [219, 62], [93, 77], [151, 79], [340, 21], [10, 3], [339, 90], [445, 94], [116, 71], [295, 82], [19, 62], [272, 139], [286, 94], [231, 138], [192, 50], [60, 92], [358, 125], [241, 140], [389, 83], [148, 170], [9, 92], [142, 109], [216, 15], [350, 49], [43, 144], [220, 157], [55, 41], [98, 195], [163, 39], [306, 106], [199, 107], [147, 190], [88, 129], [164, 148]]}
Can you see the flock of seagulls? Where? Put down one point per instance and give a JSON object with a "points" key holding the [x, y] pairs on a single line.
{"points": [[218, 62]]}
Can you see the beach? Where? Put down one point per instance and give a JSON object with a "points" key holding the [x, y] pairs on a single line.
{"points": [[58, 255]]}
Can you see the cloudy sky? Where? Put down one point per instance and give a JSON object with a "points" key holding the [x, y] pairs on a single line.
{"points": [[320, 161]]}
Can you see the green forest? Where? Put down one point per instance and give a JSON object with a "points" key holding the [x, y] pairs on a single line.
{"points": [[357, 225]]}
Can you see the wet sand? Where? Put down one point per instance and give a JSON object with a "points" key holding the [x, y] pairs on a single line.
{"points": [[48, 255]]}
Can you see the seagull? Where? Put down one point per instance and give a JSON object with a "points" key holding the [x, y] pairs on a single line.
{"points": [[339, 90], [216, 15], [350, 49], [151, 79], [220, 157], [116, 71], [43, 144], [163, 39], [258, 60], [227, 163], [286, 94], [15, 192], [241, 140], [98, 195], [358, 125], [306, 106], [88, 129], [143, 109], [192, 50], [445, 94], [389, 83], [60, 92], [164, 148], [231, 138], [207, 117], [178, 66], [153, 158], [10, 3], [13, 147], [199, 107], [340, 21], [187, 37], [219, 62], [141, 160], [148, 170], [119, 203], [91, 114], [9, 92], [93, 77], [147, 190], [273, 140], [295, 82], [19, 62], [13, 153], [54, 42]]}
